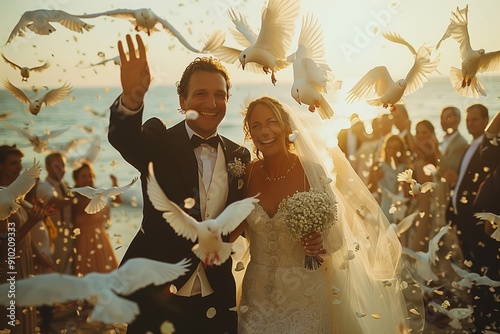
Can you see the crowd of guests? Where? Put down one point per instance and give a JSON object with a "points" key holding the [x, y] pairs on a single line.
{"points": [[56, 235], [464, 179]]}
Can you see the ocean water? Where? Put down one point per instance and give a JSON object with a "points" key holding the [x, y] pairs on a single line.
{"points": [[162, 102]]}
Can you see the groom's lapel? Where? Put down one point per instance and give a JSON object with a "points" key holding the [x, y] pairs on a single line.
{"points": [[186, 158]]}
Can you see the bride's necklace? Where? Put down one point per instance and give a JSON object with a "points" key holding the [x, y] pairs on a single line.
{"points": [[292, 166]]}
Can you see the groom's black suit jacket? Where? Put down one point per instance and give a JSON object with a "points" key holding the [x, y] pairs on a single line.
{"points": [[176, 170]]}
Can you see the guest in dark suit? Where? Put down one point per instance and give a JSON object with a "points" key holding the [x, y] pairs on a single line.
{"points": [[486, 306], [471, 174], [350, 139], [199, 301], [454, 144]]}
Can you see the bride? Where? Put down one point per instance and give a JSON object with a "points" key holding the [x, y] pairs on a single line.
{"points": [[358, 288]]}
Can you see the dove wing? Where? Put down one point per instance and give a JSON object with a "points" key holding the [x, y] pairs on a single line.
{"points": [[13, 65], [55, 96], [25, 181], [396, 38], [376, 80], [316, 75], [228, 54], [177, 34], [85, 191], [427, 186], [182, 223], [41, 67], [406, 176], [244, 34], [112, 309], [460, 272], [20, 26], [96, 204], [120, 13], [20, 131], [19, 94], [69, 21], [311, 37], [492, 218], [114, 191], [47, 289], [421, 68], [485, 280], [434, 243], [52, 134], [278, 25], [235, 213], [406, 223], [138, 273], [490, 61], [458, 30]]}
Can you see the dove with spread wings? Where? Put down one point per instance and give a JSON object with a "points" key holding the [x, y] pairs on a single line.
{"points": [[52, 97], [267, 50], [311, 74], [98, 197], [14, 193], [39, 142], [425, 260], [470, 277], [25, 71], [378, 82], [210, 247], [103, 291], [146, 20], [415, 187], [464, 80], [38, 22]]}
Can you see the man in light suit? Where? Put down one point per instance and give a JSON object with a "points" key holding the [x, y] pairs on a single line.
{"points": [[453, 145], [199, 301]]}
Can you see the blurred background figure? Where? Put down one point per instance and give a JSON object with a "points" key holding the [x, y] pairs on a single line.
{"points": [[350, 139], [93, 250]]}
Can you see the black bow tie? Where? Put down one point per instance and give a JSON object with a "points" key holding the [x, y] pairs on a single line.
{"points": [[197, 141]]}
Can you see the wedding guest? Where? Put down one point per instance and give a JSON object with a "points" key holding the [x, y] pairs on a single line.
{"points": [[200, 301], [383, 181], [486, 306], [280, 295], [402, 123], [350, 139], [54, 190], [93, 250], [454, 144], [24, 220]]}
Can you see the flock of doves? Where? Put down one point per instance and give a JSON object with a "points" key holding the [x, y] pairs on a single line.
{"points": [[265, 51]]}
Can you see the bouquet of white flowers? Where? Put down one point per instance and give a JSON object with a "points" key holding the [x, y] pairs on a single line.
{"points": [[309, 212]]}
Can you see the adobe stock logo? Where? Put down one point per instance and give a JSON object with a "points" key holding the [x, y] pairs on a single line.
{"points": [[363, 36]]}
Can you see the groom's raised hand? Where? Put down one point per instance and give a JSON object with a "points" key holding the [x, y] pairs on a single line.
{"points": [[134, 73]]}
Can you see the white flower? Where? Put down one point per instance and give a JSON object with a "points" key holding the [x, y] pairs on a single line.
{"points": [[236, 168]]}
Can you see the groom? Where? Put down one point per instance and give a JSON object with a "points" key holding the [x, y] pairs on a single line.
{"points": [[186, 167]]}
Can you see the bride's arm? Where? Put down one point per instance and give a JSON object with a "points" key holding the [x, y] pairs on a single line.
{"points": [[237, 231]]}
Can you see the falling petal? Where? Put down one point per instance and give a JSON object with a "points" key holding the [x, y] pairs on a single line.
{"points": [[360, 314], [336, 302], [293, 136], [376, 316], [167, 328], [211, 312], [192, 114], [414, 311], [189, 203]]}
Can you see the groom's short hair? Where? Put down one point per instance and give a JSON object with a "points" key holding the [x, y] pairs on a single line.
{"points": [[207, 64]]}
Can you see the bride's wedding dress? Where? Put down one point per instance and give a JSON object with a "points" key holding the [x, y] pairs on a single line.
{"points": [[281, 295]]}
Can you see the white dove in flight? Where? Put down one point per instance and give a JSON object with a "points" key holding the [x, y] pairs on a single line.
{"points": [[101, 290], [493, 219], [379, 82], [25, 71], [39, 142], [425, 261], [310, 72], [464, 80], [267, 49], [11, 195], [98, 197], [146, 20], [52, 97], [404, 224], [210, 247], [468, 278], [38, 22], [415, 187], [455, 314]]}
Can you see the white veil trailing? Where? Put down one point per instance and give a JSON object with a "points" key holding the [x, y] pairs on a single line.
{"points": [[363, 258]]}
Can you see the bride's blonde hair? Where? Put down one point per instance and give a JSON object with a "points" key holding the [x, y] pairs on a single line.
{"points": [[279, 112]]}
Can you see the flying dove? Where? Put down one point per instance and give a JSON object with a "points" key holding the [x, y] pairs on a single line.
{"points": [[210, 247], [103, 291], [468, 278], [25, 71], [52, 97], [415, 187], [493, 219], [39, 142]]}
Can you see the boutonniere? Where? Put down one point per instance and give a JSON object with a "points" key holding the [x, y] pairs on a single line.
{"points": [[237, 169]]}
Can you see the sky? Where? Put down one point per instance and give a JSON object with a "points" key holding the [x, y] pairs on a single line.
{"points": [[352, 37]]}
